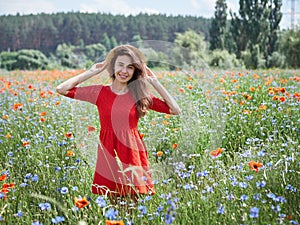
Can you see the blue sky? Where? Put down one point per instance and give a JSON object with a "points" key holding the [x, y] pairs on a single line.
{"points": [[204, 8]]}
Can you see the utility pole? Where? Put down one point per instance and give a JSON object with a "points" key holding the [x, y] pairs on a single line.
{"points": [[292, 13]]}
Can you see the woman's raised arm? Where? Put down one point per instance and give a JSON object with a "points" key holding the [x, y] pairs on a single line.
{"points": [[174, 107], [64, 87]]}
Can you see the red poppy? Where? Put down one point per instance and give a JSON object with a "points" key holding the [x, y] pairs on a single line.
{"points": [[114, 222], [216, 152], [2, 177], [25, 143], [81, 202], [159, 153], [91, 129], [255, 166], [175, 145], [69, 134]]}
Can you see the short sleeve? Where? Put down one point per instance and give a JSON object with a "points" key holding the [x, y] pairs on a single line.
{"points": [[159, 105], [88, 93]]}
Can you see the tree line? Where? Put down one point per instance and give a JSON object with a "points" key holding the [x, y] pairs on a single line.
{"points": [[45, 32]]}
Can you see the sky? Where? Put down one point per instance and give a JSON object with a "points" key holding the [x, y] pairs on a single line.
{"points": [[203, 8]]}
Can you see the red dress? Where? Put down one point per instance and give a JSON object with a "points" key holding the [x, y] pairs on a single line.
{"points": [[122, 162]]}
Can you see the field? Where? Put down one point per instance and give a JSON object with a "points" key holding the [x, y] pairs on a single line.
{"points": [[231, 157]]}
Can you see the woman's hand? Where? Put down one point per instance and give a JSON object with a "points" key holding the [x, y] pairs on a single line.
{"points": [[151, 77], [97, 68]]}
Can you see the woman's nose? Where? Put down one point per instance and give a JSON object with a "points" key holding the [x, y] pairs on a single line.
{"points": [[124, 69]]}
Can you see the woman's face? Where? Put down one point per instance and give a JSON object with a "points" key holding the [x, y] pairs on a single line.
{"points": [[123, 69]]}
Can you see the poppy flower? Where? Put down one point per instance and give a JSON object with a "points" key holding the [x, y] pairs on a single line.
{"points": [[262, 107], [42, 119], [142, 136], [25, 143], [43, 113], [2, 177], [81, 202], [5, 117], [8, 135], [69, 134], [114, 222], [216, 152], [175, 145], [91, 129], [17, 106], [70, 153], [282, 99], [255, 166], [159, 153]]}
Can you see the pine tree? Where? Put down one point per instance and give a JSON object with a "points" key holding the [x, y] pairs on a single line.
{"points": [[218, 26]]}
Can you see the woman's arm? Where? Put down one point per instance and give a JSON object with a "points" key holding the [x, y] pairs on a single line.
{"points": [[64, 87], [174, 108]]}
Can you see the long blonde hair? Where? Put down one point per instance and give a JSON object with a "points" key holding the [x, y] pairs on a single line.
{"points": [[137, 84]]}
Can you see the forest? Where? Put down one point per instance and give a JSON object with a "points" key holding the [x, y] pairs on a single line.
{"points": [[249, 38]]}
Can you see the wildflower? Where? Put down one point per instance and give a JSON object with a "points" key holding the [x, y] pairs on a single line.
{"points": [[69, 134], [5, 117], [8, 135], [25, 143], [114, 222], [181, 90], [111, 214], [58, 219], [64, 190], [81, 202], [262, 107], [36, 223], [255, 166], [43, 113], [3, 177], [261, 184], [221, 209], [142, 136], [216, 152], [159, 153], [91, 129], [175, 145], [142, 209], [45, 206], [244, 198], [254, 211], [42, 119], [17, 106], [101, 201], [70, 153], [252, 89]]}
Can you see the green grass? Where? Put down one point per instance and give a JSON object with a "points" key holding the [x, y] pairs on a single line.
{"points": [[192, 187]]}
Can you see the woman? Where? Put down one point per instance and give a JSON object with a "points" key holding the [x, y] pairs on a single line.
{"points": [[122, 166]]}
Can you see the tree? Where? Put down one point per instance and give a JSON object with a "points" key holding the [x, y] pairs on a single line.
{"points": [[289, 46], [218, 26], [258, 23], [190, 49]]}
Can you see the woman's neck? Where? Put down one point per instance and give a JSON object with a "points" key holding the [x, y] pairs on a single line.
{"points": [[119, 88]]}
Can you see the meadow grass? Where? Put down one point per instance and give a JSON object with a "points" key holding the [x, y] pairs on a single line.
{"points": [[231, 157]]}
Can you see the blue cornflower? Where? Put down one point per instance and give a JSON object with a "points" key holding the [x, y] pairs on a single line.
{"points": [[243, 184], [170, 218], [64, 190], [58, 219], [248, 178], [74, 188], [36, 223], [111, 214], [294, 222], [244, 198], [19, 214], [45, 206], [2, 195], [261, 184], [280, 199], [35, 178], [276, 208], [254, 211], [221, 209], [101, 201], [142, 209], [257, 196]]}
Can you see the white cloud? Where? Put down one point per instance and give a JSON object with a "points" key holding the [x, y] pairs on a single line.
{"points": [[114, 7], [26, 7]]}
